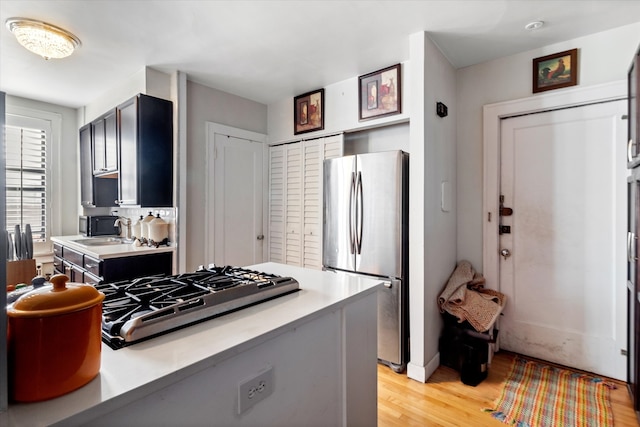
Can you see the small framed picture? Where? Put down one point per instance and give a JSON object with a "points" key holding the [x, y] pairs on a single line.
{"points": [[308, 112], [380, 93], [555, 71]]}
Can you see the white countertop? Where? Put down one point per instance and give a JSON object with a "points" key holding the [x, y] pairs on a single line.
{"points": [[132, 372], [109, 251]]}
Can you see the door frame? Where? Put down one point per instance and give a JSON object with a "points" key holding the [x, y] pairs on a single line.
{"points": [[492, 114], [213, 129]]}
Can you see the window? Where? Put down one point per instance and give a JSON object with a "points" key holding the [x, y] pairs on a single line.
{"points": [[27, 140]]}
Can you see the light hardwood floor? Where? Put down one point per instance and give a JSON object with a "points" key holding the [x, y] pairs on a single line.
{"points": [[445, 401]]}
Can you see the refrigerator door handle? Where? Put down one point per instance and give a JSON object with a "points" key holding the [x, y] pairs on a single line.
{"points": [[359, 209], [352, 195]]}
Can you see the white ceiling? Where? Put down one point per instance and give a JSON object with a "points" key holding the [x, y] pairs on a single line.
{"points": [[270, 50]]}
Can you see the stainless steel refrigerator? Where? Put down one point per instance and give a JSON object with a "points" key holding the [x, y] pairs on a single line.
{"points": [[366, 202]]}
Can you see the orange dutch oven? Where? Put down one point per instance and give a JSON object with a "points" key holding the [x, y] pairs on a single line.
{"points": [[54, 340]]}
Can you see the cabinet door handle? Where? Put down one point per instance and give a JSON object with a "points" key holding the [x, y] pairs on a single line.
{"points": [[630, 146]]}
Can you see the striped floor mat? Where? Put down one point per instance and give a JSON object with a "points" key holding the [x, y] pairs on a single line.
{"points": [[538, 395]]}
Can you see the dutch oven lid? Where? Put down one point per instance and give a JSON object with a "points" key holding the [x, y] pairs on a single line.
{"points": [[58, 298]]}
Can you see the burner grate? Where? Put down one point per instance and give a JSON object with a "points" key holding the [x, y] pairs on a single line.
{"points": [[148, 306]]}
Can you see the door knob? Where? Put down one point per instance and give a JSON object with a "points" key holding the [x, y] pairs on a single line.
{"points": [[505, 253], [260, 237]]}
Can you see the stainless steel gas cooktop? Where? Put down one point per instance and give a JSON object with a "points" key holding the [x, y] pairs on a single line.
{"points": [[138, 309]]}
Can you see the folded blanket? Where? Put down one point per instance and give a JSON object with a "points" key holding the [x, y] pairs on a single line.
{"points": [[465, 297]]}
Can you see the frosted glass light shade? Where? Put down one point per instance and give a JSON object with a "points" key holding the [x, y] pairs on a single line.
{"points": [[43, 39]]}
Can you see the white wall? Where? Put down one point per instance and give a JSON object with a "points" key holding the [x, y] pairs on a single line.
{"points": [[146, 80], [427, 77], [65, 169], [432, 238], [205, 104], [114, 96], [340, 111], [602, 57], [392, 137]]}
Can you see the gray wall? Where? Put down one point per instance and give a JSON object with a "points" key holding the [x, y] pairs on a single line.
{"points": [[205, 104]]}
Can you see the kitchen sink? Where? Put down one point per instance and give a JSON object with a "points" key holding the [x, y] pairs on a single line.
{"points": [[100, 241]]}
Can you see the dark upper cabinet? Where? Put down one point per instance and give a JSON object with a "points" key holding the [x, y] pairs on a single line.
{"points": [[104, 133], [94, 191], [126, 155], [145, 126]]}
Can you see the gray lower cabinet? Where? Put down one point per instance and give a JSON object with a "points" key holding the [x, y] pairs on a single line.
{"points": [[83, 268]]}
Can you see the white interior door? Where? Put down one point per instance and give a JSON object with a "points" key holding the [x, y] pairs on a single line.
{"points": [[563, 174], [238, 201]]}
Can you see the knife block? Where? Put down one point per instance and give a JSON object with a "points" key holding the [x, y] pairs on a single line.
{"points": [[21, 271]]}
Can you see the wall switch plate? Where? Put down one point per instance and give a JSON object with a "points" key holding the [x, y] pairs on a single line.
{"points": [[255, 389]]}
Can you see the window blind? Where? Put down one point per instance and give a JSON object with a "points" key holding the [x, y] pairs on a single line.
{"points": [[26, 185]]}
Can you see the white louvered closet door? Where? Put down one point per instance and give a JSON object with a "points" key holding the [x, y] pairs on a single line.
{"points": [[276, 203], [315, 152], [293, 204], [312, 205], [295, 200]]}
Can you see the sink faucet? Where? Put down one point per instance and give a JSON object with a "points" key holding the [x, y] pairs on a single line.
{"points": [[127, 223]]}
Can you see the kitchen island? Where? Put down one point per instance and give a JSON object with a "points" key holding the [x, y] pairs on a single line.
{"points": [[319, 346]]}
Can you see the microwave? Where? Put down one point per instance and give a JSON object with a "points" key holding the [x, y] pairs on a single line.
{"points": [[98, 225]]}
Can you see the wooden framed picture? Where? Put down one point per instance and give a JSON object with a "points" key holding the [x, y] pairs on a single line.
{"points": [[379, 93], [555, 71], [308, 112]]}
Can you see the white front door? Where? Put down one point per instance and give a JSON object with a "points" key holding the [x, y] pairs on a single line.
{"points": [[236, 188], [563, 174]]}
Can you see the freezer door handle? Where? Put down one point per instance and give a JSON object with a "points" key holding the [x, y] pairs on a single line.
{"points": [[359, 213], [352, 195]]}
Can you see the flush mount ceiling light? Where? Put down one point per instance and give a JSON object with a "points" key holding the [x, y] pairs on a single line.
{"points": [[534, 25], [43, 39]]}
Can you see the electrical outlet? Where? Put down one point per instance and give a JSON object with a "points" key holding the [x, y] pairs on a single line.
{"points": [[255, 389]]}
